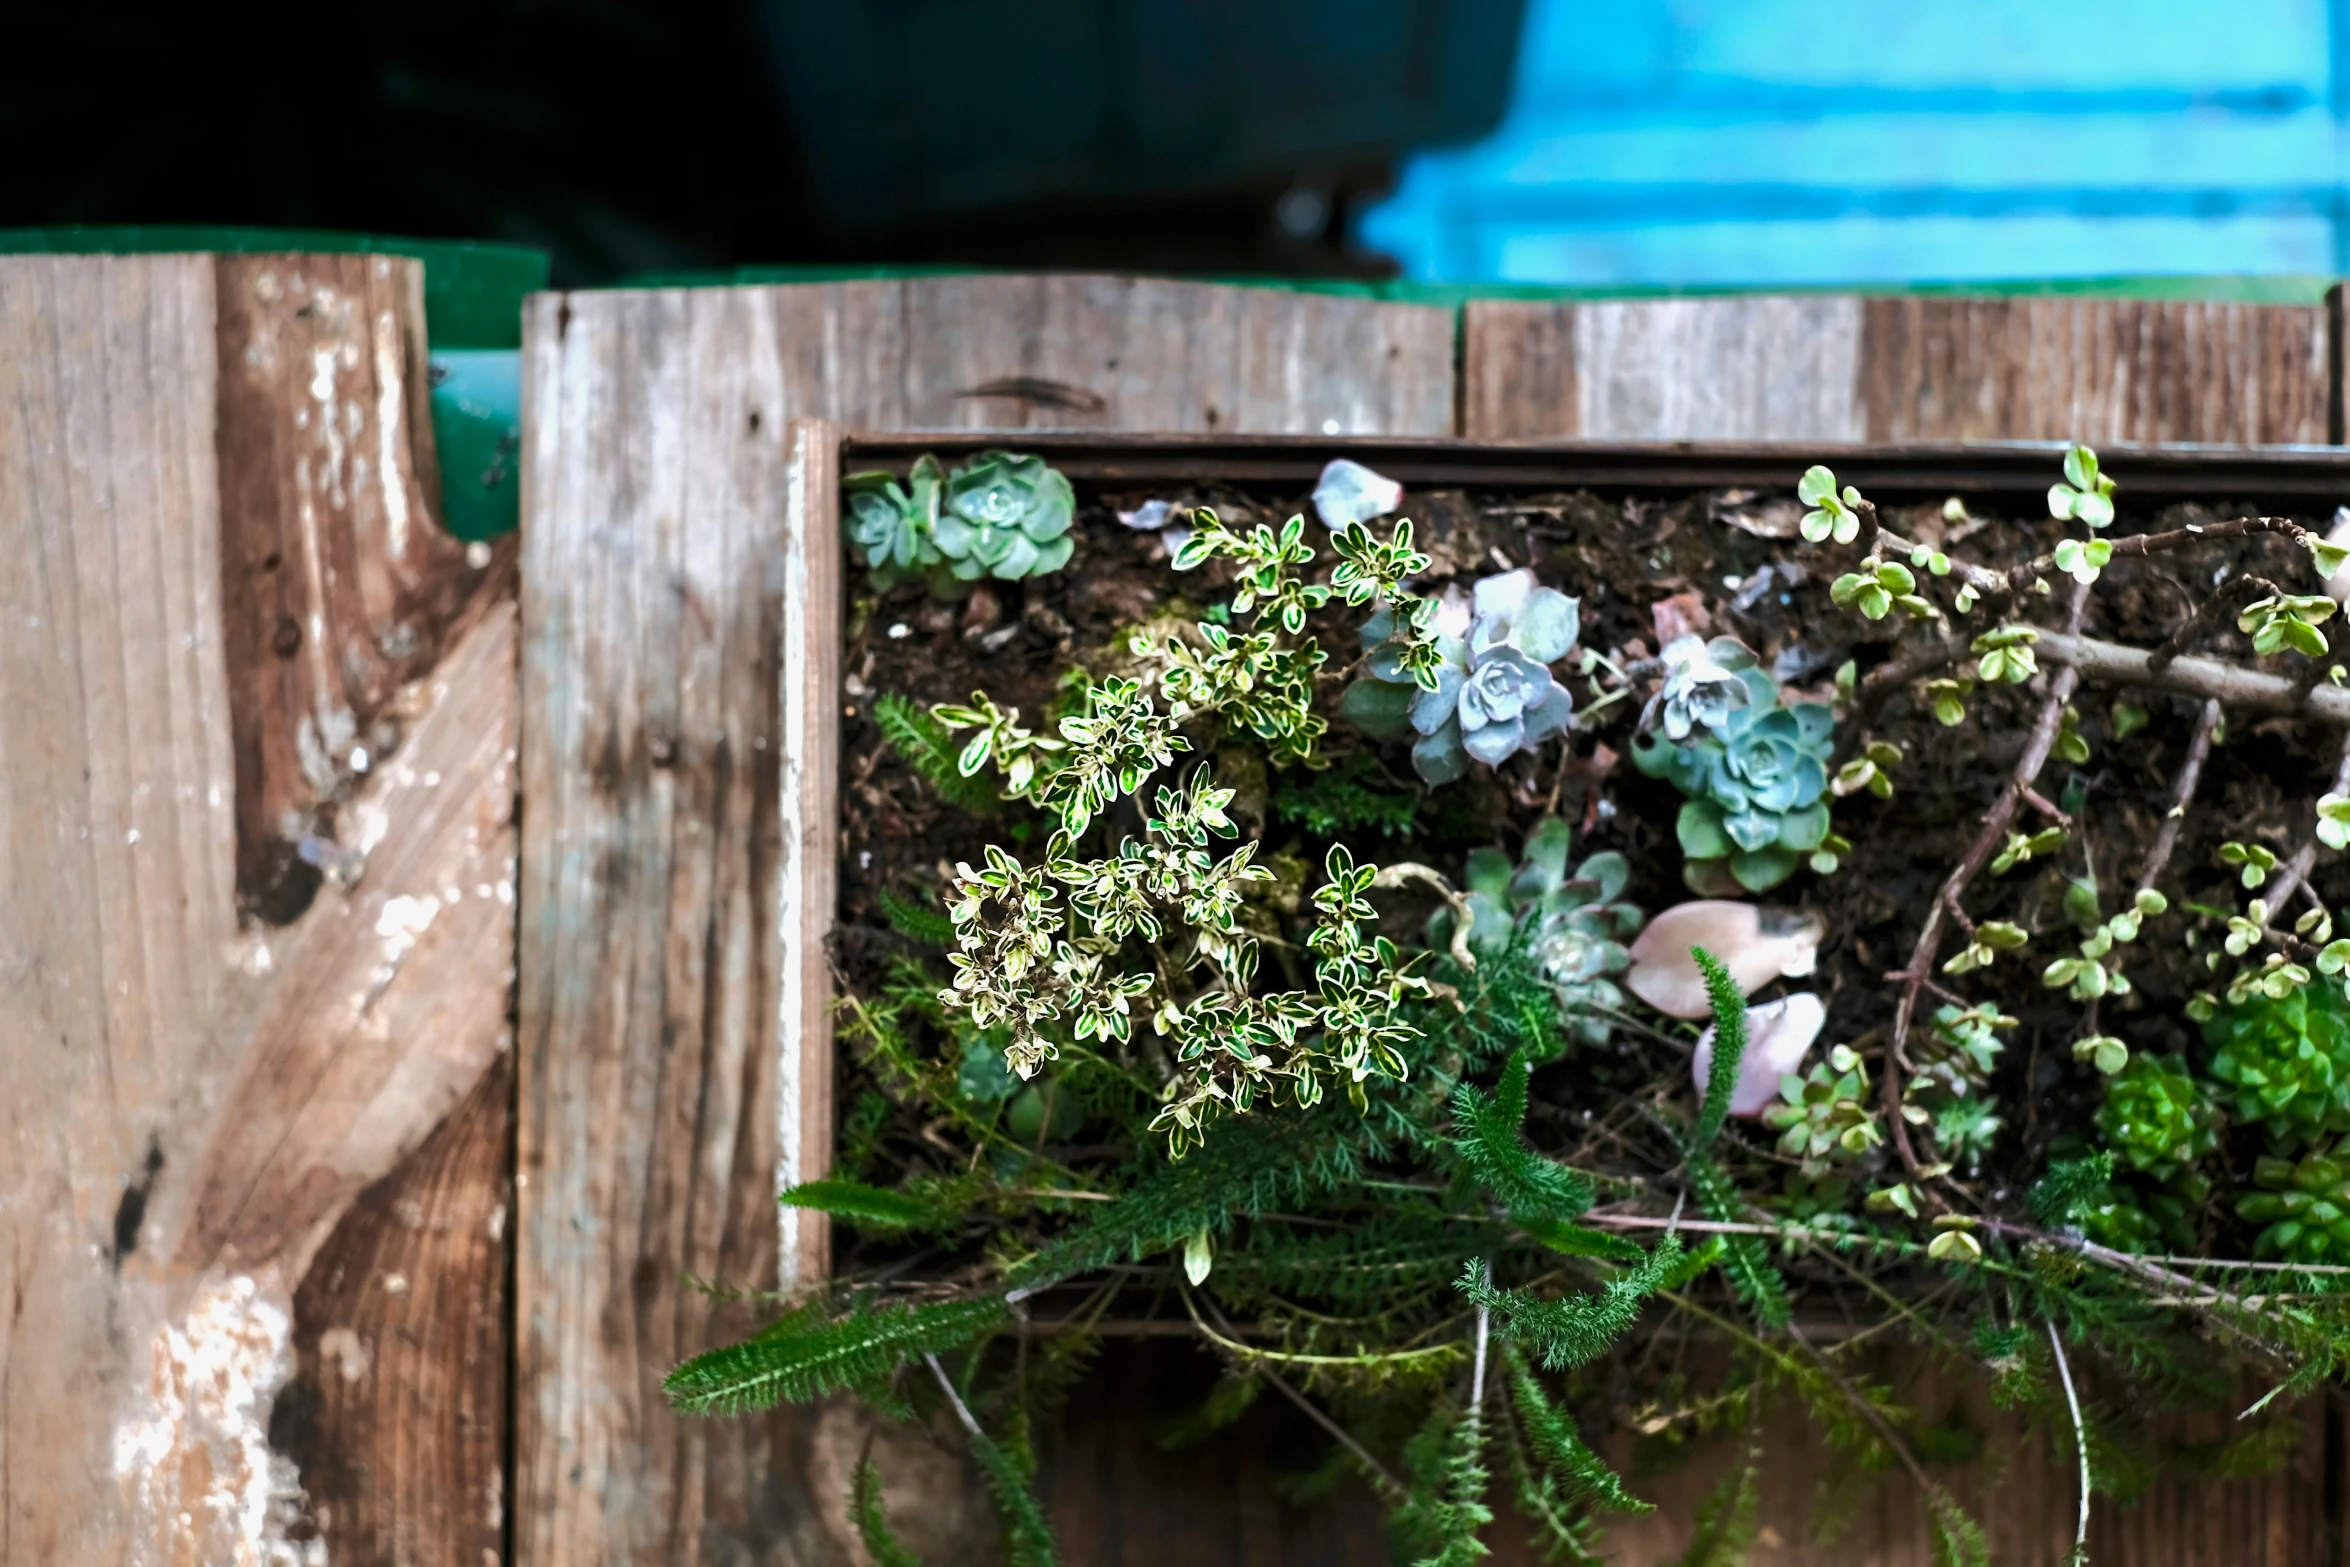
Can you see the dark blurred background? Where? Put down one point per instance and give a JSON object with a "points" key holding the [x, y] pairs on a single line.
{"points": [[635, 136], [1608, 145]]}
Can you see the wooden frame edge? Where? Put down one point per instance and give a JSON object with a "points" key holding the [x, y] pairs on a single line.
{"points": [[808, 688]]}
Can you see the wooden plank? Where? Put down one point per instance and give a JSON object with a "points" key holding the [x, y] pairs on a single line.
{"points": [[2107, 372], [396, 1413], [1125, 353], [208, 1095], [1831, 368], [654, 485], [809, 670]]}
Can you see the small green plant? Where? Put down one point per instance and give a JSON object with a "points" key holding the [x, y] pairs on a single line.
{"points": [[2157, 1117], [1825, 1113], [2304, 1204], [1950, 1090], [1756, 776], [1572, 926], [2286, 1060], [1000, 515], [1356, 794], [1489, 693]]}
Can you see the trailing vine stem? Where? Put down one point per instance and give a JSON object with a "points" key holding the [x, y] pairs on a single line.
{"points": [[2072, 1400], [2166, 837], [1894, 1084]]}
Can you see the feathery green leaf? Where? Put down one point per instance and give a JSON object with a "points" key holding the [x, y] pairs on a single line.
{"points": [[1578, 1328], [872, 1522], [804, 1357], [1721, 1081], [1485, 1132]]}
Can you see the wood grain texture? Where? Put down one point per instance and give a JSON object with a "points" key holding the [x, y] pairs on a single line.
{"points": [[192, 1101], [1518, 370], [1844, 368], [396, 1413], [337, 582], [810, 702], [661, 969], [653, 502], [2107, 372]]}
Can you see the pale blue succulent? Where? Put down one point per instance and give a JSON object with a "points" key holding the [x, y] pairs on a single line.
{"points": [[1571, 924], [1000, 515], [1494, 694], [1757, 780]]}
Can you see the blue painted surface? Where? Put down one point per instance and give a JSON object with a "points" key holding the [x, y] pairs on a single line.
{"points": [[1712, 143]]}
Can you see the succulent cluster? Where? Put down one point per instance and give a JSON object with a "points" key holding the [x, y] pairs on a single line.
{"points": [[1825, 1112], [1949, 1091], [2287, 1060], [1490, 693], [2305, 1205], [999, 515], [1571, 923], [2157, 1118], [1754, 768]]}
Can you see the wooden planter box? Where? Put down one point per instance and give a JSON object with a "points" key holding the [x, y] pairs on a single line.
{"points": [[2033, 1512]]}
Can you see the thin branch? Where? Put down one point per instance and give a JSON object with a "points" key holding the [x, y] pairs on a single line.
{"points": [[2110, 663], [962, 1411], [2182, 792], [2294, 873], [1484, 1331], [2228, 597], [2064, 1371], [1920, 968], [1464, 915], [1379, 1472]]}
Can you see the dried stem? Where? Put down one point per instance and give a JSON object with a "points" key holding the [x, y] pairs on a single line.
{"points": [[2225, 600], [1464, 915], [1895, 1082], [2072, 1400], [2295, 872], [2182, 791], [2110, 663]]}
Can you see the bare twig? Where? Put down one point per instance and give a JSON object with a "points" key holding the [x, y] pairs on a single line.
{"points": [[1895, 1082], [962, 1410], [2166, 838], [1380, 1474], [2072, 1400], [2294, 873], [2224, 600], [1484, 1331], [1464, 914], [2110, 663]]}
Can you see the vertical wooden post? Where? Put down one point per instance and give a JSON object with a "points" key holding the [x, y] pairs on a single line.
{"points": [[255, 919], [810, 700]]}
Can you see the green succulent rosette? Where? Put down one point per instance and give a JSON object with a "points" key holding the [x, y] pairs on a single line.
{"points": [[1757, 782], [1573, 924], [2157, 1118], [2286, 1061], [2304, 1206]]}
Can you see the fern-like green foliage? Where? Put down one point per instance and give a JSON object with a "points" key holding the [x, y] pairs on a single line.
{"points": [[1485, 1132], [1744, 1257], [1259, 1164], [869, 1207], [1729, 1004], [1028, 1537], [916, 921], [1439, 1520], [1729, 1518], [1576, 1329], [865, 1510], [1353, 796], [2070, 1188], [1550, 1431], [805, 1356], [930, 749]]}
